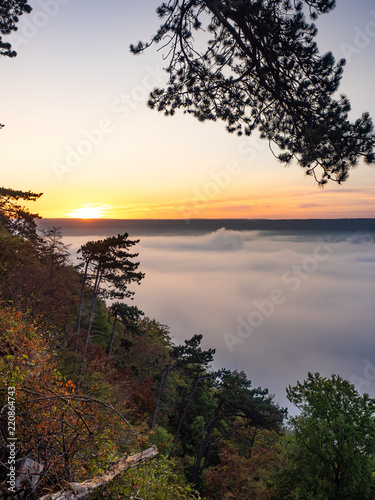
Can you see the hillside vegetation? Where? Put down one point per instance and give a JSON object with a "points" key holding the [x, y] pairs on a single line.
{"points": [[96, 380]]}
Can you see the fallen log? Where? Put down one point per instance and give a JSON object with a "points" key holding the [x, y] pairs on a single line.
{"points": [[75, 491]]}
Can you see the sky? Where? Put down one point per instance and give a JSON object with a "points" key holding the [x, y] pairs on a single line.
{"points": [[76, 97]]}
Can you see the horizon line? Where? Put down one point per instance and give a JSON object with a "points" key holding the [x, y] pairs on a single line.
{"points": [[203, 219]]}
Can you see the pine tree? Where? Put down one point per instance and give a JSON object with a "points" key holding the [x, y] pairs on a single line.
{"points": [[255, 65], [108, 263]]}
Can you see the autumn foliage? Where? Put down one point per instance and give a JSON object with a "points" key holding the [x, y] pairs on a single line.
{"points": [[74, 434]]}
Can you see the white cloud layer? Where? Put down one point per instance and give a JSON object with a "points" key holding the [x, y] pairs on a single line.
{"points": [[288, 303]]}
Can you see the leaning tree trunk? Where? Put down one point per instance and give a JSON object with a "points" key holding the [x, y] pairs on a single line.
{"points": [[92, 310], [184, 415], [112, 335], [161, 390], [187, 407], [84, 279], [75, 491], [205, 443]]}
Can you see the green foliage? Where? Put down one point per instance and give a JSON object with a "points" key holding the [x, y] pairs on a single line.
{"points": [[162, 439], [189, 360], [332, 449], [236, 406], [256, 65], [156, 480], [129, 317], [101, 327]]}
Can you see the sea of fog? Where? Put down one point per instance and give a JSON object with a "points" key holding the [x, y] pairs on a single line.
{"points": [[276, 299]]}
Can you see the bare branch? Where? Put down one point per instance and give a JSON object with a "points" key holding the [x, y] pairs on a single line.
{"points": [[75, 491]]}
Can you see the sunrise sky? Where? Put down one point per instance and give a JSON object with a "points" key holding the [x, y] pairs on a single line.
{"points": [[77, 127]]}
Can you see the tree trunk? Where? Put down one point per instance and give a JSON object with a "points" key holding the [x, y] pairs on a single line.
{"points": [[82, 297], [80, 314], [187, 407], [205, 443], [184, 415], [112, 335], [161, 390], [75, 491], [93, 300], [92, 309]]}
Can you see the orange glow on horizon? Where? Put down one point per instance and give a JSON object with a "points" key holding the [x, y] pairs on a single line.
{"points": [[293, 203]]}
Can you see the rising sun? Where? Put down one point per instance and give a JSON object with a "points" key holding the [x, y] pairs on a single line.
{"points": [[89, 211]]}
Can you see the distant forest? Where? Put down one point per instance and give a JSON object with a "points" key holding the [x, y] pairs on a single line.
{"points": [[152, 227]]}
